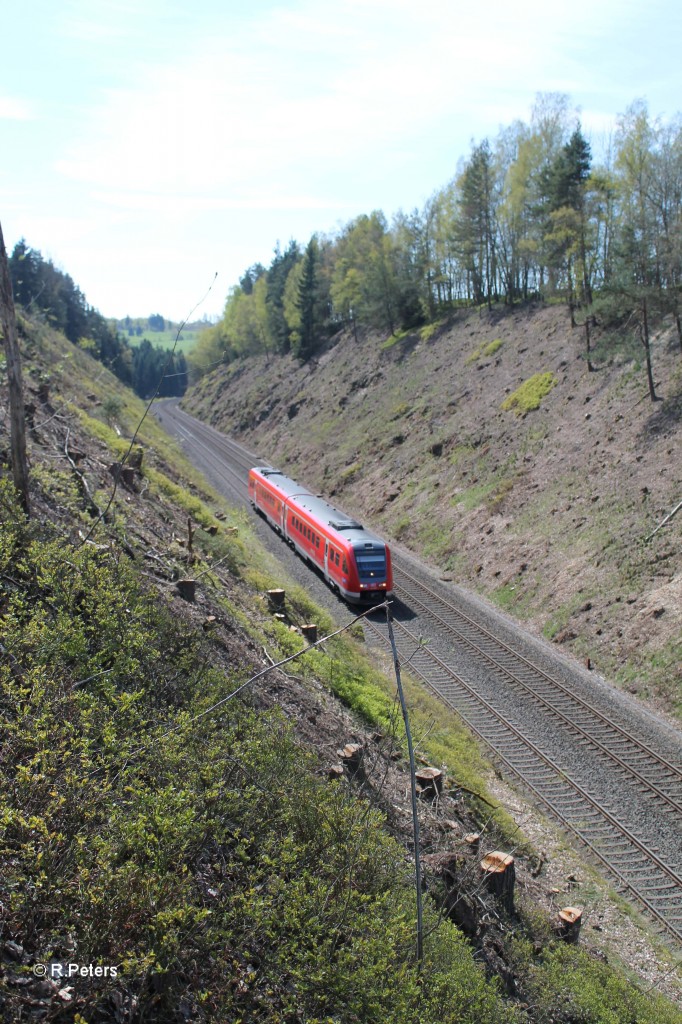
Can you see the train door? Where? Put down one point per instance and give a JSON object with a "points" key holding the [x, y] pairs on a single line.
{"points": [[326, 557]]}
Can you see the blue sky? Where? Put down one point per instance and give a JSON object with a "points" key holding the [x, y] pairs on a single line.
{"points": [[145, 146]]}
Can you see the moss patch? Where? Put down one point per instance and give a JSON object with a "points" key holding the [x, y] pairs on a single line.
{"points": [[529, 395]]}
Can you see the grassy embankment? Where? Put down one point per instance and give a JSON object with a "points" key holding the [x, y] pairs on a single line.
{"points": [[204, 856]]}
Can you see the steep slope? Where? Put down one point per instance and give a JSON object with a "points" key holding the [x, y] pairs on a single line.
{"points": [[547, 511], [209, 858]]}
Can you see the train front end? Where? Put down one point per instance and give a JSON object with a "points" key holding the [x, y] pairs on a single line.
{"points": [[373, 564]]}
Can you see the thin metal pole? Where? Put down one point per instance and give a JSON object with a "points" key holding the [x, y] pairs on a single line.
{"points": [[413, 788]]}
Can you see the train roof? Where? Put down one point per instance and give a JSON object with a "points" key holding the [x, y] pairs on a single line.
{"points": [[349, 528]]}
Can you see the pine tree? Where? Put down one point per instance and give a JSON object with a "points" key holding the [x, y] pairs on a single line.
{"points": [[307, 301]]}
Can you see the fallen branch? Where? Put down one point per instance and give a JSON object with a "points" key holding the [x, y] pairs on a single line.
{"points": [[82, 482], [666, 520]]}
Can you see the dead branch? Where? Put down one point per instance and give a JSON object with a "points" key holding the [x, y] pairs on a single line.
{"points": [[83, 486], [663, 523]]}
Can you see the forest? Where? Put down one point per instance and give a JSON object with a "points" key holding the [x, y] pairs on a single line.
{"points": [[41, 288], [529, 215]]}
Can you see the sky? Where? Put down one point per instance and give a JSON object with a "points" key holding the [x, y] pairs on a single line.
{"points": [[155, 149]]}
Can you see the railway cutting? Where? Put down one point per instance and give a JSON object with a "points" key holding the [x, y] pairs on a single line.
{"points": [[608, 770]]}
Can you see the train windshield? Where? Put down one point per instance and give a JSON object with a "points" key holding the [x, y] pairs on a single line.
{"points": [[371, 564]]}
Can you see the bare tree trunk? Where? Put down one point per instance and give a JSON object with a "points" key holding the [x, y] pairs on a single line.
{"points": [[588, 345], [16, 391], [647, 349]]}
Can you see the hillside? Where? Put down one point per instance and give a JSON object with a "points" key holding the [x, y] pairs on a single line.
{"points": [[199, 844], [544, 511]]}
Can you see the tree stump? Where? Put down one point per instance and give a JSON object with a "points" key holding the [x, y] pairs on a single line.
{"points": [[136, 456], [473, 841], [123, 473], [456, 903], [352, 757], [570, 920], [276, 598], [500, 875], [430, 783], [186, 589], [335, 772], [309, 632]]}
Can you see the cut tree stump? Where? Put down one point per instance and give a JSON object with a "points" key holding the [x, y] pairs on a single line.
{"points": [[458, 905], [186, 589], [570, 920], [136, 456], [473, 841], [500, 875], [352, 757], [309, 632], [430, 782], [276, 598], [123, 473]]}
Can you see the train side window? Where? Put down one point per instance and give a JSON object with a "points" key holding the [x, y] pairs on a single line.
{"points": [[345, 565]]}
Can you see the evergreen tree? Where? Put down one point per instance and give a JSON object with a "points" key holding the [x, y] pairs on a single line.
{"points": [[277, 275], [308, 338]]}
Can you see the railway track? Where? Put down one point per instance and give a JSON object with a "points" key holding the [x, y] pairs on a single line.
{"points": [[638, 869], [651, 773], [218, 450], [614, 791]]}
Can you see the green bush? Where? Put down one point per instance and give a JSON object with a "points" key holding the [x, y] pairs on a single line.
{"points": [[205, 858]]}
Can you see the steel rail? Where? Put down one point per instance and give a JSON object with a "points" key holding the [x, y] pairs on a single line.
{"points": [[538, 698], [582, 816]]}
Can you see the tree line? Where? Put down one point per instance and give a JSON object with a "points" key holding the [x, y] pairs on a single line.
{"points": [[529, 215], [41, 288]]}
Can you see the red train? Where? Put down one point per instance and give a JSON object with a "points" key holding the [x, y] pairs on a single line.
{"points": [[354, 562]]}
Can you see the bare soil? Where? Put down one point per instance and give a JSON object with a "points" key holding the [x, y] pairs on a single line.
{"points": [[548, 513]]}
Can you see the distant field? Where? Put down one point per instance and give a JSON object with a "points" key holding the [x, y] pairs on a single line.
{"points": [[166, 339]]}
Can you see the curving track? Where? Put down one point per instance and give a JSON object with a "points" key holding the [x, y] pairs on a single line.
{"points": [[610, 772]]}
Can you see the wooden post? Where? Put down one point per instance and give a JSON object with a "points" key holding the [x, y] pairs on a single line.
{"points": [[499, 874], [570, 920], [8, 324]]}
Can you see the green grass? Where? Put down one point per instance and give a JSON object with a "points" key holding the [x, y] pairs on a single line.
{"points": [[484, 351], [530, 394], [216, 839], [394, 338], [428, 330], [166, 339]]}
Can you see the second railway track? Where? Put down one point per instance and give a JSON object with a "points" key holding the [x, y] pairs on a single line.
{"points": [[598, 771]]}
